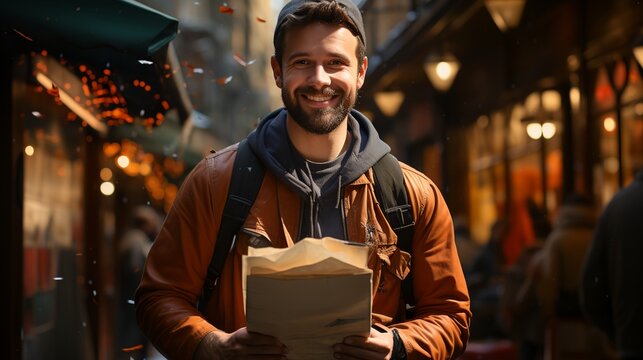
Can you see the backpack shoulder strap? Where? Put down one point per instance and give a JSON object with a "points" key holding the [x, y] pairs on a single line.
{"points": [[247, 176], [393, 198]]}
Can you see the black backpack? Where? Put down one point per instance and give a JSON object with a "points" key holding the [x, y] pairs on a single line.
{"points": [[247, 176]]}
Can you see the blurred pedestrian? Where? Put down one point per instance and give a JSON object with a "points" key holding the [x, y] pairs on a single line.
{"points": [[612, 288], [133, 248], [563, 256], [520, 306], [562, 260], [467, 248], [485, 279]]}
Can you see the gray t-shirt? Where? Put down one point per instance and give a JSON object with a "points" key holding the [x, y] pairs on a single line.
{"points": [[323, 210]]}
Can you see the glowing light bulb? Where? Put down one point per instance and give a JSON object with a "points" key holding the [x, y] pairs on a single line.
{"points": [[107, 188]]}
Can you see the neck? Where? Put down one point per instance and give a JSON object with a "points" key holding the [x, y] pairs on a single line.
{"points": [[316, 147]]}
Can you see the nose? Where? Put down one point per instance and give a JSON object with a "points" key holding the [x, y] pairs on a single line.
{"points": [[319, 77]]}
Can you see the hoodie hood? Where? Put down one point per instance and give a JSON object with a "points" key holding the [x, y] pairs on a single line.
{"points": [[271, 144]]}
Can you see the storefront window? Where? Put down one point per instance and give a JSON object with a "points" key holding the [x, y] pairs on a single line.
{"points": [[633, 123], [620, 99], [55, 290], [486, 176]]}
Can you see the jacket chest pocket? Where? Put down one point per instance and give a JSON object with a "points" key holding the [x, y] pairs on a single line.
{"points": [[391, 266]]}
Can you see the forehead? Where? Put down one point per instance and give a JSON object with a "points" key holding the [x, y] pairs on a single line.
{"points": [[320, 38]]}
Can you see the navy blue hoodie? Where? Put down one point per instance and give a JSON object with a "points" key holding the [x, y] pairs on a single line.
{"points": [[321, 207]]}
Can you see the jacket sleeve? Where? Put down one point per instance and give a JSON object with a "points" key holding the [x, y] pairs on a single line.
{"points": [[440, 327], [176, 266], [594, 288]]}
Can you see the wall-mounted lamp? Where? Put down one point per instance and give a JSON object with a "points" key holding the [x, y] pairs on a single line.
{"points": [[389, 102], [542, 107], [505, 13], [536, 130], [441, 70], [638, 50]]}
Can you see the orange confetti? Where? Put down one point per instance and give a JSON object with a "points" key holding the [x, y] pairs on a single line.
{"points": [[223, 80], [132, 349], [225, 9], [241, 61], [53, 91], [23, 35], [261, 20], [192, 69]]}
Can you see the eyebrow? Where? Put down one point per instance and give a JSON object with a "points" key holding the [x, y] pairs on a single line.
{"points": [[306, 54]]}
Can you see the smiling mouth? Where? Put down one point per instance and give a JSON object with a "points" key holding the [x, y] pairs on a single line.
{"points": [[318, 98]]}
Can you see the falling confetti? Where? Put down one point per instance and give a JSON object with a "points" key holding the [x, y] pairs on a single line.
{"points": [[132, 349], [223, 80], [192, 69], [130, 302], [261, 20], [37, 114], [145, 62], [23, 35], [241, 61], [225, 9], [54, 91], [58, 278]]}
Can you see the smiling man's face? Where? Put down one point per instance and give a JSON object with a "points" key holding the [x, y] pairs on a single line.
{"points": [[318, 76]]}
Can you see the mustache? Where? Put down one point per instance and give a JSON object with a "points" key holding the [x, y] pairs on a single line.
{"points": [[309, 90]]}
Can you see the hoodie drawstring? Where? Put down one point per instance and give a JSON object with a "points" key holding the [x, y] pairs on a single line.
{"points": [[313, 228], [339, 191]]}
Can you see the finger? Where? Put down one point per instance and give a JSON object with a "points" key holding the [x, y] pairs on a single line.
{"points": [[377, 344]]}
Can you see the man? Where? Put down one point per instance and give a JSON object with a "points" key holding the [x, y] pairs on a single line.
{"points": [[318, 154], [611, 288], [558, 289], [132, 252]]}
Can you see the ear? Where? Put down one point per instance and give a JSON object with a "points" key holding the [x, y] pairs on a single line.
{"points": [[276, 71], [362, 73]]}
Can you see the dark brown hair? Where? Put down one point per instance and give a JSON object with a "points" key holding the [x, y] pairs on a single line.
{"points": [[327, 12]]}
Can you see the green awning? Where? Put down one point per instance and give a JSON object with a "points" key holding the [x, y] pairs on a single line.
{"points": [[122, 25]]}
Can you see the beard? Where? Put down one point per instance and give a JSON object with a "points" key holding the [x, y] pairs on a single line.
{"points": [[318, 121]]}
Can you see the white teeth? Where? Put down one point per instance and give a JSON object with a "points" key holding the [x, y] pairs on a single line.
{"points": [[319, 98]]}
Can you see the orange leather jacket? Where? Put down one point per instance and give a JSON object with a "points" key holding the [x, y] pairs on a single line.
{"points": [[177, 264]]}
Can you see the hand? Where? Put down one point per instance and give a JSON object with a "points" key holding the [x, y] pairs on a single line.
{"points": [[240, 344], [376, 346]]}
